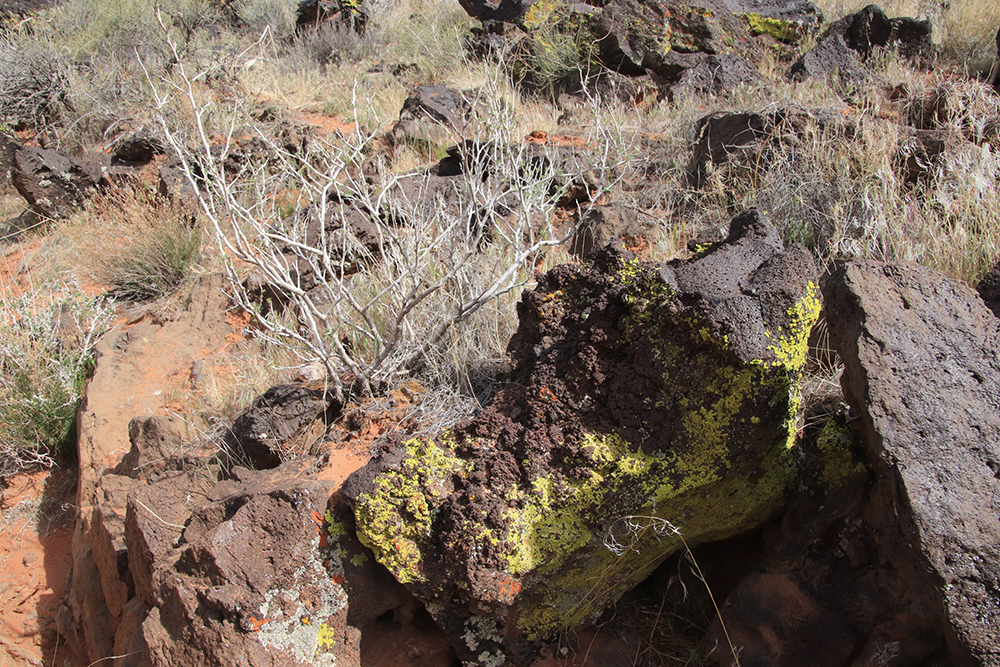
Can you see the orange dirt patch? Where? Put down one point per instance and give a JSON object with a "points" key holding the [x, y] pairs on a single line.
{"points": [[540, 137], [329, 125], [35, 557]]}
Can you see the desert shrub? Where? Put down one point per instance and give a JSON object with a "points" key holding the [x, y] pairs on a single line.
{"points": [[46, 355], [32, 84], [373, 301]]}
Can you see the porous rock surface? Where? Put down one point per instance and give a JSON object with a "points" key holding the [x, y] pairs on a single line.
{"points": [[666, 392], [921, 356], [54, 184], [848, 42]]}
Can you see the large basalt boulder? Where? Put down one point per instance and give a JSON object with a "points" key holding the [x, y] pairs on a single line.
{"points": [[921, 364], [849, 42], [644, 397], [54, 184]]}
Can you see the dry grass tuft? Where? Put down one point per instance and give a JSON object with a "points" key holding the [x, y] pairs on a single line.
{"points": [[140, 247]]}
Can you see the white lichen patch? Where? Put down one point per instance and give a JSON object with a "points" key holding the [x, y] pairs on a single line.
{"points": [[296, 625]]}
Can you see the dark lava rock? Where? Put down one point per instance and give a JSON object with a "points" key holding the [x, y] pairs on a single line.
{"points": [[852, 39], [666, 392], [638, 35], [21, 8], [784, 20], [433, 114], [921, 356], [989, 289], [54, 184], [919, 153], [601, 224], [256, 570], [265, 432], [836, 585], [137, 150]]}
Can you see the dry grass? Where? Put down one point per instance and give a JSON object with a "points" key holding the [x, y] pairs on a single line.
{"points": [[139, 247]]}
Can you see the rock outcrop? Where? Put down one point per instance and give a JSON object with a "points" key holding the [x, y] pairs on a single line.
{"points": [[921, 359], [848, 42], [644, 397], [54, 184], [989, 289]]}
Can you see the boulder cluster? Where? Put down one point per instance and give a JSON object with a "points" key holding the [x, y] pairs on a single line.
{"points": [[651, 410]]}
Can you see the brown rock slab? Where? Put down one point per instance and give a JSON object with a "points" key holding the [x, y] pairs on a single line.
{"points": [[922, 357]]}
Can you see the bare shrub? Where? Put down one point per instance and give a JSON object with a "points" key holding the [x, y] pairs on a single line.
{"points": [[32, 84], [377, 273]]}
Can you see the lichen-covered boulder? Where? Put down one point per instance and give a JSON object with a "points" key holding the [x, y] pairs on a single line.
{"points": [[648, 402]]}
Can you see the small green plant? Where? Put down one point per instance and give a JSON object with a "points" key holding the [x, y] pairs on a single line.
{"points": [[46, 357]]}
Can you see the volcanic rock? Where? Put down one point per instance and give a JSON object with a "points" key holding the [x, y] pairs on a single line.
{"points": [[54, 184], [851, 40], [666, 392], [989, 289], [266, 431], [921, 356], [433, 114]]}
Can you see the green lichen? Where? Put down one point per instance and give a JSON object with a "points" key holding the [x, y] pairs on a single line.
{"points": [[783, 31], [835, 443], [396, 514], [334, 527], [724, 469], [327, 638]]}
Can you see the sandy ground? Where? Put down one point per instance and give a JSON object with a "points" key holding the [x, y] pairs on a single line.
{"points": [[36, 532]]}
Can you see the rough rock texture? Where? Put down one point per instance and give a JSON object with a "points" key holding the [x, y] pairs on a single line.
{"points": [[433, 114], [836, 573], [784, 20], [751, 139], [54, 184], [639, 35], [921, 356], [601, 225], [849, 41], [989, 289], [155, 442], [638, 390], [286, 418], [134, 368], [20, 8]]}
